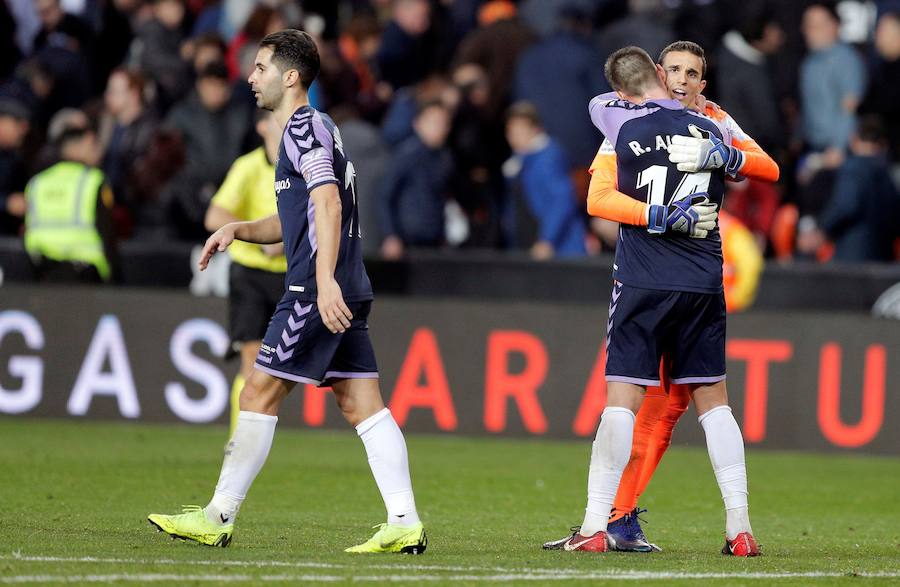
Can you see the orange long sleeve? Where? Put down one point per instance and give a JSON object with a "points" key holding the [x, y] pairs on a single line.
{"points": [[757, 163], [605, 201]]}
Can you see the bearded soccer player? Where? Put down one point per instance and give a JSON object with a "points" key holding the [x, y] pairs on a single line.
{"points": [[667, 298], [319, 332], [683, 67]]}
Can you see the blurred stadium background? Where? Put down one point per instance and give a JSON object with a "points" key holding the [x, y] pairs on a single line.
{"points": [[488, 321]]}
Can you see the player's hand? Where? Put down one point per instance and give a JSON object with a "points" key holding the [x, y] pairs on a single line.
{"points": [[335, 314], [694, 216], [217, 243], [703, 151]]}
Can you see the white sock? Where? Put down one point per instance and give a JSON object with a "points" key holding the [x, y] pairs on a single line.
{"points": [[726, 453], [388, 459], [609, 455], [245, 455]]}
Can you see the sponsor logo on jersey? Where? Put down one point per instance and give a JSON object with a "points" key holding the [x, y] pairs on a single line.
{"points": [[282, 184]]}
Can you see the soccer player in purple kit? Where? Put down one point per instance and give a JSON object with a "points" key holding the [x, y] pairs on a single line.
{"points": [[667, 296], [319, 332]]}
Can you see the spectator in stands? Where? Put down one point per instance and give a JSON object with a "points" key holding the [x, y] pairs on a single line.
{"points": [[68, 226], [544, 195], [883, 96], [397, 125], [125, 129], [65, 45], [645, 26], [496, 46], [370, 159], [64, 30], [404, 56], [745, 86], [862, 217], [479, 149], [359, 43], [214, 129], [203, 50], [559, 75], [157, 51], [832, 82], [242, 48], [14, 125], [414, 189]]}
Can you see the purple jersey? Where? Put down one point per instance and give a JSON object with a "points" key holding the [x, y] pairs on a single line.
{"points": [[640, 135], [312, 155]]}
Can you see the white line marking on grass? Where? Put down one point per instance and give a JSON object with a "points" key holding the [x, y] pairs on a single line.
{"points": [[500, 578], [500, 574]]}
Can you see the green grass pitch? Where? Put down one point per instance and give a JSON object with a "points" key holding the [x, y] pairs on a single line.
{"points": [[74, 496]]}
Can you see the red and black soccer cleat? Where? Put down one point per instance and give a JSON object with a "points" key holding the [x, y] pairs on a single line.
{"points": [[743, 545], [576, 542]]}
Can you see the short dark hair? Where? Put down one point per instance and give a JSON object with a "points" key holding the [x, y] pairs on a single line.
{"points": [[630, 70], [524, 110], [688, 47], [214, 69], [293, 49], [754, 18]]}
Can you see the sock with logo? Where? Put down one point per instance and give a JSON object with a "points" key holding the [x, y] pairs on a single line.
{"points": [[386, 449], [726, 453], [609, 455], [245, 455]]}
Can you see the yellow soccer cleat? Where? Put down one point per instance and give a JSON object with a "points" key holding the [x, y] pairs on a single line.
{"points": [[193, 525], [394, 538]]}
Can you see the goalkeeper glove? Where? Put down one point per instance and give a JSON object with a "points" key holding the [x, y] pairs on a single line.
{"points": [[694, 216], [702, 151]]}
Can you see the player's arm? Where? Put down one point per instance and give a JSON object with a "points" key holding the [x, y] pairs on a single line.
{"points": [[694, 216], [263, 231], [217, 217], [605, 200], [327, 204], [740, 155], [757, 163]]}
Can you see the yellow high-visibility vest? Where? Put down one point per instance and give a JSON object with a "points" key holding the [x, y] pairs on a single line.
{"points": [[61, 220]]}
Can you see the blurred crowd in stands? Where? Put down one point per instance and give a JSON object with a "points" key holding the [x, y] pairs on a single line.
{"points": [[466, 120]]}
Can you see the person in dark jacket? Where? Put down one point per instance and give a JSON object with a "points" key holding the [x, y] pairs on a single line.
{"points": [[539, 176], [862, 218], [413, 192], [746, 88], [559, 75]]}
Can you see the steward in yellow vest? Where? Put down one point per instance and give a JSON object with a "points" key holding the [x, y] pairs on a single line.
{"points": [[68, 224]]}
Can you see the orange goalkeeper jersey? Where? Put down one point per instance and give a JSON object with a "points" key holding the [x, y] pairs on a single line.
{"points": [[605, 201]]}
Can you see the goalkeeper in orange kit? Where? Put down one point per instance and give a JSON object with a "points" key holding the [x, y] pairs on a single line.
{"points": [[683, 66]]}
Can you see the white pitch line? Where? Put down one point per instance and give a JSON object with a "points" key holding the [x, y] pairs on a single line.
{"points": [[500, 578], [501, 573]]}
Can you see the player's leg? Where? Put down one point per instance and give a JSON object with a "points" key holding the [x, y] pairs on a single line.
{"points": [[677, 400], [632, 364], [700, 363], [652, 409], [252, 299], [353, 374], [248, 353], [610, 453], [726, 453], [288, 355], [245, 455]]}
